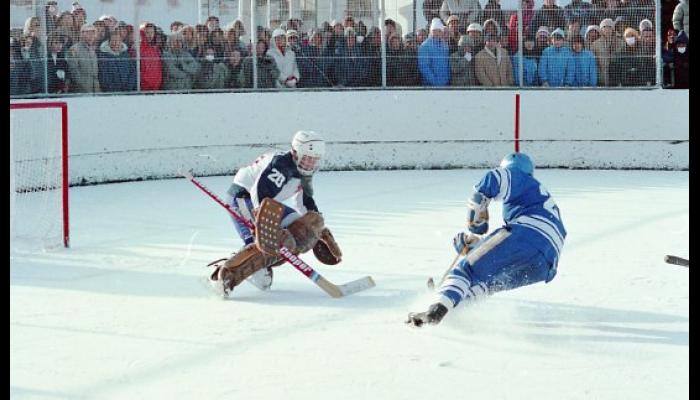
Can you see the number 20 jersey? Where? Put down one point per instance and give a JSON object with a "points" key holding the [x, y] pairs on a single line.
{"points": [[274, 175]]}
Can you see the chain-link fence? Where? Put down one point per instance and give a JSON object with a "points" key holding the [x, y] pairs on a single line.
{"points": [[206, 45]]}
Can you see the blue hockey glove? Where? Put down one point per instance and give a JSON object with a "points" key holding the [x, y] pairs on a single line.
{"points": [[464, 240], [478, 214], [479, 228]]}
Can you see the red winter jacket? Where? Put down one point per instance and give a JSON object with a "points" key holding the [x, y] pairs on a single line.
{"points": [[151, 66], [528, 14]]}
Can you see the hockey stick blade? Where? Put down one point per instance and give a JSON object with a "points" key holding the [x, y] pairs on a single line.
{"points": [[675, 260], [346, 289], [430, 283], [357, 285], [333, 290]]}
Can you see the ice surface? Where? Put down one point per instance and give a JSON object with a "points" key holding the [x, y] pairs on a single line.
{"points": [[125, 313]]}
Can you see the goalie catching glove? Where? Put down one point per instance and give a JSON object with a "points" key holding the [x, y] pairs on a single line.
{"points": [[326, 249]]}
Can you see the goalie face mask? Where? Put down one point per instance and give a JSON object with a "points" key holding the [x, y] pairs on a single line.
{"points": [[307, 165]]}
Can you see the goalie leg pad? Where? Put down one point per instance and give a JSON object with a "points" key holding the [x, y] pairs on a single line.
{"points": [[306, 231], [244, 264]]}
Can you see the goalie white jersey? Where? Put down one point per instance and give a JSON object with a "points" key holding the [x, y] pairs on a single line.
{"points": [[275, 175]]}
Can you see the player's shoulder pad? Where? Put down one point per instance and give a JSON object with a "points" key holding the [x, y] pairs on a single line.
{"points": [[502, 175]]}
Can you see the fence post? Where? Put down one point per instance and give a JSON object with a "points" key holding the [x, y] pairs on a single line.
{"points": [[254, 42], [659, 38], [382, 30], [520, 48]]}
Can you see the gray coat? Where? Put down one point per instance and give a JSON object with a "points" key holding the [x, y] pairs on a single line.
{"points": [[604, 50], [215, 80], [82, 63], [267, 72], [179, 70], [462, 71], [681, 17], [468, 11]]}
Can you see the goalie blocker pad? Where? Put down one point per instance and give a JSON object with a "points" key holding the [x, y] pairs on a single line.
{"points": [[268, 235]]}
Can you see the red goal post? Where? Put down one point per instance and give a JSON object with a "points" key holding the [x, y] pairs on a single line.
{"points": [[39, 174]]}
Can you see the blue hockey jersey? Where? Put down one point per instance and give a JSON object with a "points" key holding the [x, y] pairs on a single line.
{"points": [[528, 204]]}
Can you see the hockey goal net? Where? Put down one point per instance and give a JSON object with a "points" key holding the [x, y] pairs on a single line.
{"points": [[39, 176]]}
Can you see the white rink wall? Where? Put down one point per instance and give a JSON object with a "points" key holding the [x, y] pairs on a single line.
{"points": [[133, 137]]}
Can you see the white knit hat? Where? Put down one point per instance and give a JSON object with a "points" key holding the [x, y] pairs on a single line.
{"points": [[88, 27], [437, 25], [645, 23], [474, 26], [607, 22], [558, 32], [278, 32], [592, 28]]}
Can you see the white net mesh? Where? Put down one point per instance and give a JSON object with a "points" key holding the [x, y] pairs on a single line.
{"points": [[38, 204]]}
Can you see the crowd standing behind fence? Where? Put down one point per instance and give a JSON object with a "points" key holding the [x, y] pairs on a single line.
{"points": [[599, 44]]}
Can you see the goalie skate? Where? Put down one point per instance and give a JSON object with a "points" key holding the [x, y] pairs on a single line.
{"points": [[261, 279], [214, 282]]}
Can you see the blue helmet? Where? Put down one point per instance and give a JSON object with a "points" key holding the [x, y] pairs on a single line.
{"points": [[518, 161]]}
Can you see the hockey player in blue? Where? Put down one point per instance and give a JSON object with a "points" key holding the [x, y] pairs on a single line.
{"points": [[522, 252], [280, 176]]}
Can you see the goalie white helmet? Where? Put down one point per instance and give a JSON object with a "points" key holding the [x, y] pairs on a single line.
{"points": [[308, 149]]}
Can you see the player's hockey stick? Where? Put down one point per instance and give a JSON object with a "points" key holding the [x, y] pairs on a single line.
{"points": [[333, 290], [677, 261], [431, 282]]}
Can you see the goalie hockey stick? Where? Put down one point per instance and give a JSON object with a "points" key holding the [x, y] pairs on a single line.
{"points": [[331, 289], [677, 261]]}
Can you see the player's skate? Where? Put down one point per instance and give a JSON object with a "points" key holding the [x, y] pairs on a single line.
{"points": [[261, 279], [433, 316]]}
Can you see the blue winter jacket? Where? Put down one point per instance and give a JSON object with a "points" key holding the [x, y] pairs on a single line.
{"points": [[582, 70], [434, 62], [529, 70], [552, 68], [116, 71]]}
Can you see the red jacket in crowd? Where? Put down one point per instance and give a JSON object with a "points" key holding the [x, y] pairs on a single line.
{"points": [[151, 65]]}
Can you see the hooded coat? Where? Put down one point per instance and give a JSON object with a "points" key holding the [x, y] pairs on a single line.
{"points": [[151, 64], [116, 70]]}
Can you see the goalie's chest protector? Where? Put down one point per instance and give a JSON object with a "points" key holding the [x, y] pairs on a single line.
{"points": [[273, 175]]}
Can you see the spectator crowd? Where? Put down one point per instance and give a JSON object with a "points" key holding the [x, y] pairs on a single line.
{"points": [[606, 43]]}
